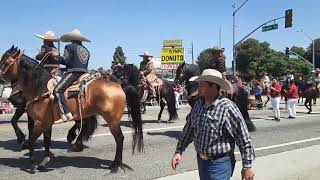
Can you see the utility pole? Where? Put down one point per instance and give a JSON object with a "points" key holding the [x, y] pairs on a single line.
{"points": [[220, 38], [233, 35], [313, 54], [192, 53]]}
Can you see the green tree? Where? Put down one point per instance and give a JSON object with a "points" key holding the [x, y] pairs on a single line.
{"points": [[204, 59], [118, 57], [248, 51], [308, 54], [277, 64], [299, 50]]}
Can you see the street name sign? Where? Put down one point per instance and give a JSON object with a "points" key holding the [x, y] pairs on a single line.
{"points": [[270, 27]]}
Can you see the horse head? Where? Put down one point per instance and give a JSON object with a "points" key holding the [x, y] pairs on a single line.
{"points": [[9, 63], [117, 70], [131, 74], [179, 72]]}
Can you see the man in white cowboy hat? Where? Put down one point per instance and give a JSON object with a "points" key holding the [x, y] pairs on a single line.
{"points": [[76, 58], [45, 54], [147, 69], [215, 124]]}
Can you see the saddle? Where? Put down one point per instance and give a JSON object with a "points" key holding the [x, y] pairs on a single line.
{"points": [[74, 87]]}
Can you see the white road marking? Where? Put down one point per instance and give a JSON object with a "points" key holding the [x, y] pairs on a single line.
{"points": [[177, 127], [127, 132], [284, 144]]}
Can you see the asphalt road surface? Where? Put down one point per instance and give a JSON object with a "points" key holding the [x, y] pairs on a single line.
{"points": [[159, 139]]}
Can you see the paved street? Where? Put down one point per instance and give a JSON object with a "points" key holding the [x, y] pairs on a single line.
{"points": [[272, 139]]}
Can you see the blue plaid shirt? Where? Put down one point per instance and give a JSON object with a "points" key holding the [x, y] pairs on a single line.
{"points": [[215, 129]]}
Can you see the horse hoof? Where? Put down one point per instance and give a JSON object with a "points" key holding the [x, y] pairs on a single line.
{"points": [[114, 168], [43, 164], [71, 137], [76, 148], [24, 145], [33, 169]]}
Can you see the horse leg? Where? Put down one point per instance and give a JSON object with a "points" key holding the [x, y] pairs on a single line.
{"points": [[265, 103], [72, 132], [162, 105], [47, 142], [306, 104], [14, 122], [114, 126], [25, 144], [78, 146], [37, 130]]}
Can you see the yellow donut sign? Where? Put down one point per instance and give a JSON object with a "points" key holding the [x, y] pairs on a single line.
{"points": [[172, 55]]}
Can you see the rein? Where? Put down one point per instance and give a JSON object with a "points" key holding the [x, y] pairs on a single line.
{"points": [[44, 58]]}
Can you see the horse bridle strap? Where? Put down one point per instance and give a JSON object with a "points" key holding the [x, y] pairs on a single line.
{"points": [[14, 61]]}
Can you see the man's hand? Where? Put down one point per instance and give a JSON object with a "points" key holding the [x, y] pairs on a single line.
{"points": [[175, 160], [247, 174], [55, 53]]}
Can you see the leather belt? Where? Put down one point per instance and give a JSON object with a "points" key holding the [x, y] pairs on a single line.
{"points": [[205, 157]]}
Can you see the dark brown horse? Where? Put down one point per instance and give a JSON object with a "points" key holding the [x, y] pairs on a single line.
{"points": [[186, 71], [103, 97], [131, 79], [19, 102]]}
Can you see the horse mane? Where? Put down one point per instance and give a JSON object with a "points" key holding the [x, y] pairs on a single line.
{"points": [[36, 78], [132, 73], [189, 70]]}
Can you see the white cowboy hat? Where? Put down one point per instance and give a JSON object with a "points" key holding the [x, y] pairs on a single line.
{"points": [[145, 54], [74, 35], [49, 36], [213, 76]]}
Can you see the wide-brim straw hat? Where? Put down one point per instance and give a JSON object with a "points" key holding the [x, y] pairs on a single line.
{"points": [[213, 76], [49, 36], [74, 35], [145, 54]]}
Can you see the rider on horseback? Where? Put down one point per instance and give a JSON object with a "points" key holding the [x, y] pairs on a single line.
{"points": [[45, 54], [218, 61], [76, 58], [147, 69]]}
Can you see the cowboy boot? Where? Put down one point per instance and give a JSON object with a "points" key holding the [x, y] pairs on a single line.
{"points": [[62, 119], [69, 116]]}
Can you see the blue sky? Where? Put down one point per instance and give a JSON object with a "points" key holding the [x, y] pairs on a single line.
{"points": [[142, 25]]}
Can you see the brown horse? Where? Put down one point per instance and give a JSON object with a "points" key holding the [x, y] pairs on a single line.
{"points": [[102, 96]]}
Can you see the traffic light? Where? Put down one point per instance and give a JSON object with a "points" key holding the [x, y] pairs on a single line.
{"points": [[288, 18], [287, 51]]}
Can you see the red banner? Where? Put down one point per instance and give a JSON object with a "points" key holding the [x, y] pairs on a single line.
{"points": [[169, 66]]}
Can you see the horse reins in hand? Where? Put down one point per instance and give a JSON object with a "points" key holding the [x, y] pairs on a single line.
{"points": [[44, 58]]}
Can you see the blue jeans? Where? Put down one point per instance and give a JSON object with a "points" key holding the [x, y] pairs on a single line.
{"points": [[219, 169]]}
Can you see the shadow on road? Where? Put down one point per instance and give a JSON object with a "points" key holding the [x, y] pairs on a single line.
{"points": [[9, 122], [60, 162], [171, 134], [12, 145]]}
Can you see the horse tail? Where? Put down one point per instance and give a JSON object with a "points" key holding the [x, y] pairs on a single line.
{"points": [[133, 102], [171, 101], [89, 126]]}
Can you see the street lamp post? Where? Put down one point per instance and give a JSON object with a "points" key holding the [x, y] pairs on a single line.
{"points": [[313, 54], [233, 32]]}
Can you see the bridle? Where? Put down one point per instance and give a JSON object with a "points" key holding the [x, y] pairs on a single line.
{"points": [[15, 60]]}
